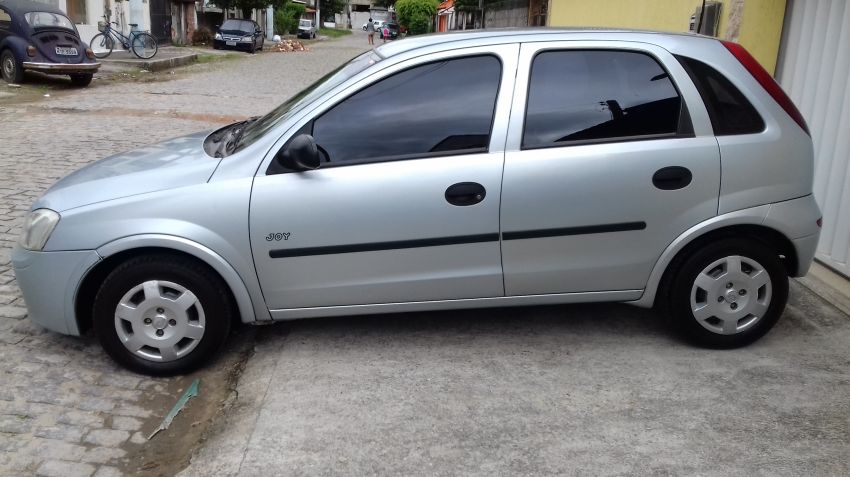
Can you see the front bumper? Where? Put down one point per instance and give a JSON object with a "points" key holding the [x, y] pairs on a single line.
{"points": [[240, 45], [61, 68], [49, 283]]}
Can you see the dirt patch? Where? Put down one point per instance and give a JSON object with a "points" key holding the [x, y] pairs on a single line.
{"points": [[169, 451]]}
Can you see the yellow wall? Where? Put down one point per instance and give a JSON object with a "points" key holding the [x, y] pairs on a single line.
{"points": [[759, 29]]}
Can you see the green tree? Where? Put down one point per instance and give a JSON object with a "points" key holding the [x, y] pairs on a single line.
{"points": [[330, 7], [416, 15], [286, 19]]}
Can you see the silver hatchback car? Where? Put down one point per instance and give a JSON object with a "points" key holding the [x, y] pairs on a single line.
{"points": [[447, 171]]}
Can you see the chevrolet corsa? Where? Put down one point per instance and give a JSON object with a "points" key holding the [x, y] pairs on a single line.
{"points": [[449, 171]]}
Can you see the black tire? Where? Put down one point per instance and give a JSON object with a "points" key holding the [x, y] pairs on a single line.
{"points": [[213, 311], [82, 80], [144, 46], [731, 302], [10, 68], [102, 45]]}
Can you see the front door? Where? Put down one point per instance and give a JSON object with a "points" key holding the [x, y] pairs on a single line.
{"points": [[607, 163], [406, 206]]}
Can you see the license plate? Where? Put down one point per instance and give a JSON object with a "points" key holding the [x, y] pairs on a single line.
{"points": [[230, 43], [66, 51]]}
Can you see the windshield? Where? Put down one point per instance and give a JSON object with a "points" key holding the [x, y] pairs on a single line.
{"points": [[48, 20], [306, 23], [237, 26], [331, 80]]}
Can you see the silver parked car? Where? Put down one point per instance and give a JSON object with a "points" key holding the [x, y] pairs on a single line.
{"points": [[450, 171]]}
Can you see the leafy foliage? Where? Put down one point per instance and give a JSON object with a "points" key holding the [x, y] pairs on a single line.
{"points": [[286, 20], [202, 36], [329, 7], [416, 15]]}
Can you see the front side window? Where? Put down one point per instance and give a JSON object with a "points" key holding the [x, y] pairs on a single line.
{"points": [[439, 108], [39, 20], [585, 96]]}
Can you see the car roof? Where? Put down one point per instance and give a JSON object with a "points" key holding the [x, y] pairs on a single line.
{"points": [[26, 6], [507, 35]]}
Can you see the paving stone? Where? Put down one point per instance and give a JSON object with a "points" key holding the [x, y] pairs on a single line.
{"points": [[80, 418], [107, 437], [107, 471], [13, 312], [61, 432], [138, 438], [15, 424], [103, 455], [126, 423], [56, 468], [53, 450]]}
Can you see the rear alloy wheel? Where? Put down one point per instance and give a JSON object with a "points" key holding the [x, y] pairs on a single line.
{"points": [[81, 80], [10, 68], [729, 294], [162, 314]]}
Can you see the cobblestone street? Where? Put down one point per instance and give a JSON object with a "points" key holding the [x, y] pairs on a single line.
{"points": [[65, 408]]}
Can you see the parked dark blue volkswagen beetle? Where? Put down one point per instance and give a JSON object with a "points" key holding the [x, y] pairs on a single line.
{"points": [[37, 37]]}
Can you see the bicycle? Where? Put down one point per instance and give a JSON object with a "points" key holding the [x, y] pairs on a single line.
{"points": [[140, 43]]}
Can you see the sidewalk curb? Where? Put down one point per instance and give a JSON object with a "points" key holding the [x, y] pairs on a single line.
{"points": [[832, 287]]}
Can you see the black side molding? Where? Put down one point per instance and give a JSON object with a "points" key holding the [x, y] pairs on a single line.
{"points": [[376, 246], [583, 230]]}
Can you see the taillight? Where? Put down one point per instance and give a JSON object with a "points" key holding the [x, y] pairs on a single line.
{"points": [[89, 53], [767, 82], [820, 222]]}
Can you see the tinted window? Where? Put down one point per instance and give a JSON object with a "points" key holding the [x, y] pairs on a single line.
{"points": [[237, 26], [598, 95], [442, 107], [728, 108]]}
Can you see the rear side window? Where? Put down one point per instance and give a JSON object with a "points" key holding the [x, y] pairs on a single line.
{"points": [[730, 111], [576, 97]]}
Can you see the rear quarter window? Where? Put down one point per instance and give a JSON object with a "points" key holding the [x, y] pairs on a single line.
{"points": [[730, 111]]}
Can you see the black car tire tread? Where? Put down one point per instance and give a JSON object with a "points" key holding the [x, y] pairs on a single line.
{"points": [[676, 292], [17, 75], [200, 279]]}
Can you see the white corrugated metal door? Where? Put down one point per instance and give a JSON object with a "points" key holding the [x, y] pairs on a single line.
{"points": [[814, 68]]}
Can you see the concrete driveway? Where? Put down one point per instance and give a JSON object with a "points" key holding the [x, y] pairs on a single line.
{"points": [[576, 390]]}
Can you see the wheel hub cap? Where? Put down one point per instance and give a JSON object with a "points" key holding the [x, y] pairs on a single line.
{"points": [[160, 321], [731, 295]]}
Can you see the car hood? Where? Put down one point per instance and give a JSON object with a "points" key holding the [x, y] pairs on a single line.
{"points": [[175, 163]]}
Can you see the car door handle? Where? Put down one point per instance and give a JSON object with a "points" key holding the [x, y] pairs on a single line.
{"points": [[672, 178], [465, 193]]}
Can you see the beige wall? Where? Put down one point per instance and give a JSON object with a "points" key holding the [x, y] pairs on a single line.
{"points": [[756, 24]]}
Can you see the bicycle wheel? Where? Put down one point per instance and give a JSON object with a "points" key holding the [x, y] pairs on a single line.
{"points": [[102, 45], [144, 46]]}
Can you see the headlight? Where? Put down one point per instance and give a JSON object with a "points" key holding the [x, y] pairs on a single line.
{"points": [[247, 38], [38, 225], [218, 36]]}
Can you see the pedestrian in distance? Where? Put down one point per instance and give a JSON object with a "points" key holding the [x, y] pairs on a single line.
{"points": [[370, 30], [385, 32]]}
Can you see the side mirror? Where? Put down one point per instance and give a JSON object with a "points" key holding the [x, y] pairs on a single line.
{"points": [[299, 154]]}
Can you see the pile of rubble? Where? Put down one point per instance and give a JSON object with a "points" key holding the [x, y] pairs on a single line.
{"points": [[289, 45]]}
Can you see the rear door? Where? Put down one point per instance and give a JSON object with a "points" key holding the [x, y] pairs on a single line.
{"points": [[610, 157]]}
